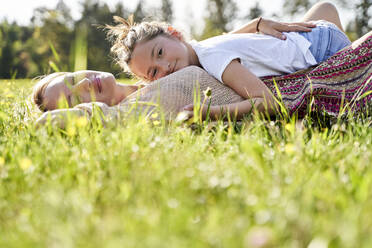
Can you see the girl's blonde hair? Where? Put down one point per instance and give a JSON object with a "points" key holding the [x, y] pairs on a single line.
{"points": [[126, 34]]}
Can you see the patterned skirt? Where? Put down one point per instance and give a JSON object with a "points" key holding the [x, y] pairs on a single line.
{"points": [[342, 83]]}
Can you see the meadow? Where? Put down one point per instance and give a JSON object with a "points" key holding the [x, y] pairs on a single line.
{"points": [[136, 183]]}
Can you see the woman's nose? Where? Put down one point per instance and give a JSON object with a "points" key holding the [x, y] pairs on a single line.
{"points": [[82, 85], [83, 90]]}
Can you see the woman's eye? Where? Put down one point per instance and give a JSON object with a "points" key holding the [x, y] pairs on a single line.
{"points": [[78, 99], [75, 99], [71, 80], [160, 51], [69, 100]]}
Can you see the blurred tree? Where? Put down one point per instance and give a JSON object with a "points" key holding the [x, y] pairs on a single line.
{"points": [[24, 66], [294, 7], [255, 11], [64, 14], [220, 15], [52, 37], [15, 59], [363, 20], [356, 28], [54, 41], [9, 34], [166, 11], [94, 15], [139, 13], [120, 9]]}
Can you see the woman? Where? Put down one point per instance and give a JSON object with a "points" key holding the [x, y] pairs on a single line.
{"points": [[56, 89]]}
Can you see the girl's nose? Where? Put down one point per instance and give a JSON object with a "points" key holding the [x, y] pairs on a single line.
{"points": [[165, 68]]}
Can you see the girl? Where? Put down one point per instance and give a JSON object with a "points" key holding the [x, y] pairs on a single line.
{"points": [[154, 50]]}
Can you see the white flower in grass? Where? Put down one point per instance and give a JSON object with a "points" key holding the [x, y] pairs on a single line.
{"points": [[318, 242], [25, 163], [208, 92]]}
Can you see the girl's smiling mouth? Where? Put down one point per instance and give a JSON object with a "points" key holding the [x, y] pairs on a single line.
{"points": [[174, 67]]}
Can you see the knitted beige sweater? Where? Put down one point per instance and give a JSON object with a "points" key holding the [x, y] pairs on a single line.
{"points": [[169, 95]]}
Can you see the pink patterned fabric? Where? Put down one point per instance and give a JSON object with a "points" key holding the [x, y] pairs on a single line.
{"points": [[334, 85]]}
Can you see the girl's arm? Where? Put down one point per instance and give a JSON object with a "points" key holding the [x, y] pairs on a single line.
{"points": [[273, 28], [238, 110], [245, 83], [248, 86]]}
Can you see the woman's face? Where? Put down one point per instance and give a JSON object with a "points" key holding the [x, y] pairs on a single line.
{"points": [[80, 87]]}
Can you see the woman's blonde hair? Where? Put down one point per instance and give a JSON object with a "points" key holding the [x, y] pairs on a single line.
{"points": [[126, 34], [39, 89]]}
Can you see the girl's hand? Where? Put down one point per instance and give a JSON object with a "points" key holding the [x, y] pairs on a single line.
{"points": [[184, 116], [188, 112], [275, 28], [189, 107]]}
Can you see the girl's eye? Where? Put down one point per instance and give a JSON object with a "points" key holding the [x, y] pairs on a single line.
{"points": [[154, 72], [160, 51]]}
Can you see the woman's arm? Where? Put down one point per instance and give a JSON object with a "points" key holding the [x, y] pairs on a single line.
{"points": [[59, 117], [273, 28]]}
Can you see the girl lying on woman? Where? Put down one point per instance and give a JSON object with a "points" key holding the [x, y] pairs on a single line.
{"points": [[74, 87], [342, 82], [255, 88]]}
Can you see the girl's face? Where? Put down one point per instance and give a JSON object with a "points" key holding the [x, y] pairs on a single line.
{"points": [[80, 87], [159, 57]]}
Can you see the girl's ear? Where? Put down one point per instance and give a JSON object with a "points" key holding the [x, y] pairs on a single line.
{"points": [[174, 33]]}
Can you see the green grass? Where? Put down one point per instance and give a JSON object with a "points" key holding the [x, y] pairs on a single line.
{"points": [[142, 185]]}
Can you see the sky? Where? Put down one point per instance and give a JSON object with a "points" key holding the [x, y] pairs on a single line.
{"points": [[186, 12]]}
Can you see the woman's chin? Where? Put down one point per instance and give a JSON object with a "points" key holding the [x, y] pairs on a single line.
{"points": [[112, 103]]}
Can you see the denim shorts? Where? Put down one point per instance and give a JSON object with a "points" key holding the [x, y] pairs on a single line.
{"points": [[326, 39]]}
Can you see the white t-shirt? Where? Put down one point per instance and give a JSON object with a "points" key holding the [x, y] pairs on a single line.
{"points": [[263, 55]]}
